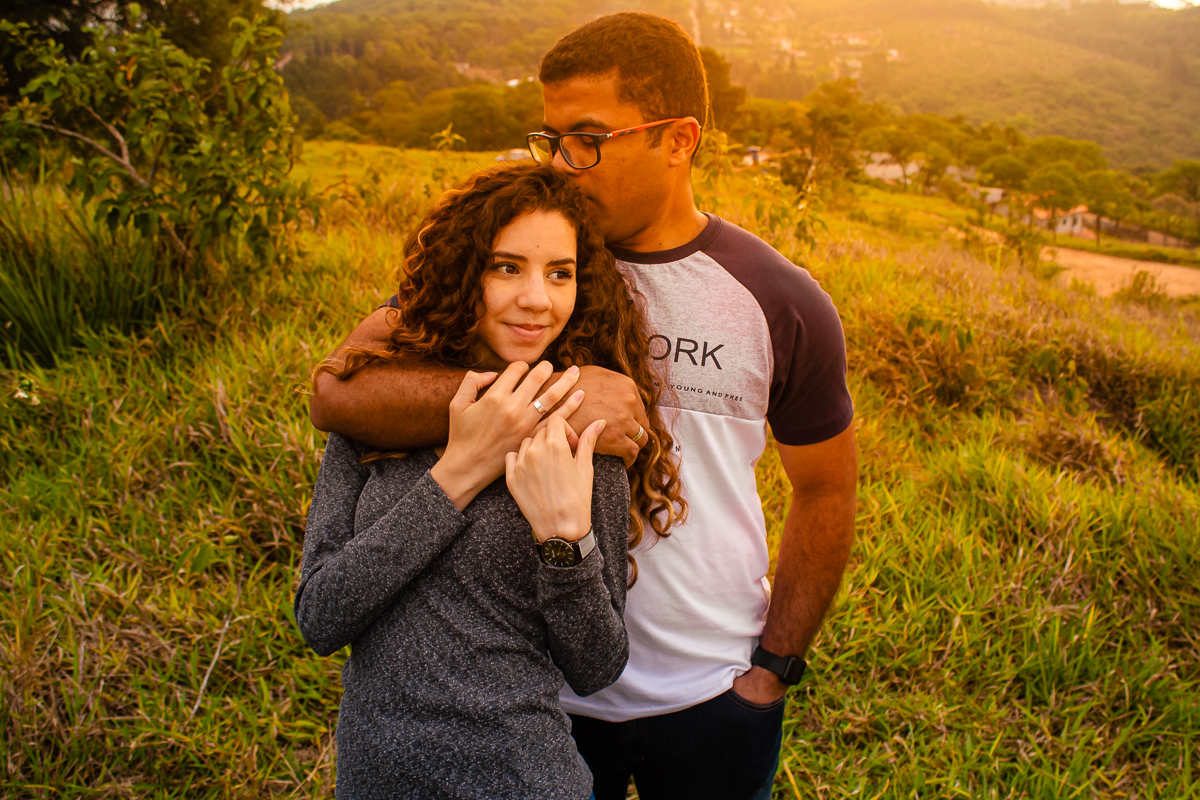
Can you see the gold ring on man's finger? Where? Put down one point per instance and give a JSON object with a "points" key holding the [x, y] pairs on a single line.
{"points": [[638, 436], [541, 409]]}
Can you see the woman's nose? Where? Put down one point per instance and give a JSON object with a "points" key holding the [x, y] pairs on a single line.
{"points": [[534, 296]]}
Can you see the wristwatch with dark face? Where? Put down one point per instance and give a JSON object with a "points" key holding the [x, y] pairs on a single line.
{"points": [[557, 552], [788, 668]]}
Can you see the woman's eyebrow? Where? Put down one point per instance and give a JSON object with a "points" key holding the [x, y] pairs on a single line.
{"points": [[510, 256], [562, 262]]}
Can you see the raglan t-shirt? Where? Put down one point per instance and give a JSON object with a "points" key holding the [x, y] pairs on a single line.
{"points": [[743, 338]]}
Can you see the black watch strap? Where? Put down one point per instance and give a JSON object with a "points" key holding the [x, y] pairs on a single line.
{"points": [[789, 668]]}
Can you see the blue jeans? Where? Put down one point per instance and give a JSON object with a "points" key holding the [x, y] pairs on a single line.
{"points": [[726, 748]]}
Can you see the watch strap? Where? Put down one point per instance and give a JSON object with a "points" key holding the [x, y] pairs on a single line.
{"points": [[789, 668]]}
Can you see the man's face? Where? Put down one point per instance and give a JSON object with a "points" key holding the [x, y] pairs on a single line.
{"points": [[628, 189]]}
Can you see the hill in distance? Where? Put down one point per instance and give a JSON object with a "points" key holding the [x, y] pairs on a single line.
{"points": [[1125, 76]]}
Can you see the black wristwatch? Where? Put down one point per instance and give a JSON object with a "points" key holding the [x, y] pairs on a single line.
{"points": [[556, 552], [789, 668]]}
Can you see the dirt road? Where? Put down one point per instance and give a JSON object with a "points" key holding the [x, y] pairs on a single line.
{"points": [[1109, 273]]}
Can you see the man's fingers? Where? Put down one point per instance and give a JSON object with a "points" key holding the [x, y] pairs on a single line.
{"points": [[613, 442]]}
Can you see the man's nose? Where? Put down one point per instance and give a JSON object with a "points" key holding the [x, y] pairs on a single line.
{"points": [[560, 162]]}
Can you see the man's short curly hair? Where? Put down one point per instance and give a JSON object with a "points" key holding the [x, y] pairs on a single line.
{"points": [[658, 66]]}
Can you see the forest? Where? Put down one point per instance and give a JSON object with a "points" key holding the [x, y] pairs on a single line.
{"points": [[187, 227]]}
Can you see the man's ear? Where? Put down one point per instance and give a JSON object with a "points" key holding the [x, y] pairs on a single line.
{"points": [[682, 139]]}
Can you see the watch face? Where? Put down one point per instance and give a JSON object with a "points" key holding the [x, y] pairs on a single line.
{"points": [[558, 553]]}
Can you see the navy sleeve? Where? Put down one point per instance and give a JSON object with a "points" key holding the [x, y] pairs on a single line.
{"points": [[809, 400]]}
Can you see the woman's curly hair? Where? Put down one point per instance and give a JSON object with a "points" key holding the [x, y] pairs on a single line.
{"points": [[441, 290]]}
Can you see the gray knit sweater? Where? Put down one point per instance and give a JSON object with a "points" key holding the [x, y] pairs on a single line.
{"points": [[458, 632]]}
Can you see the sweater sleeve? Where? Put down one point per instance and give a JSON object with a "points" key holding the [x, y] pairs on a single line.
{"points": [[584, 605], [348, 579]]}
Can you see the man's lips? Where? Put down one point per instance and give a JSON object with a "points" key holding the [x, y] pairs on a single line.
{"points": [[526, 332]]}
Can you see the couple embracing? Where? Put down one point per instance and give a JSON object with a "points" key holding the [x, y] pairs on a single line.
{"points": [[579, 329]]}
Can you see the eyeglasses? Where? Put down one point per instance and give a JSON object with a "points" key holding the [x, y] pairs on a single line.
{"points": [[579, 150]]}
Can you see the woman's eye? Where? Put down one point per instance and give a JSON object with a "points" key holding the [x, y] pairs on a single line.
{"points": [[506, 268], [562, 274]]}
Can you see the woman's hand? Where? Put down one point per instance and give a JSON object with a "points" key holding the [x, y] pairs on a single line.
{"points": [[484, 429], [553, 487]]}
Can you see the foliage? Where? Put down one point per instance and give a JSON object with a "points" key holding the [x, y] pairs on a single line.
{"points": [[724, 97], [201, 28], [1027, 519], [1183, 178], [1055, 188], [132, 115], [1005, 172], [64, 276]]}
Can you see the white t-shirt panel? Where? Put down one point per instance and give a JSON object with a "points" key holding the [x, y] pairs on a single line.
{"points": [[739, 335]]}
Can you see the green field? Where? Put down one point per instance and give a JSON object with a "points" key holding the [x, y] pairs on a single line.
{"points": [[1018, 619]]}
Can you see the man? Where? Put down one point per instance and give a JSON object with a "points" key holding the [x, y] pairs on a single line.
{"points": [[743, 338]]}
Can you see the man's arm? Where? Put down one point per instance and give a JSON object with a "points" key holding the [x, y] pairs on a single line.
{"points": [[407, 406], [384, 405], [813, 551]]}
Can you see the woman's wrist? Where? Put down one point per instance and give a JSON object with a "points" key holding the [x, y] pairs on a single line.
{"points": [[570, 531], [460, 480]]}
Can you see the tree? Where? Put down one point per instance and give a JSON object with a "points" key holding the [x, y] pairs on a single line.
{"points": [[1054, 188], [1083, 156], [201, 28], [1107, 195], [724, 97], [132, 114], [1177, 212], [1183, 179], [899, 143], [937, 158]]}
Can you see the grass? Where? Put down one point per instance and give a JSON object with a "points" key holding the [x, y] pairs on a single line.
{"points": [[1018, 618]]}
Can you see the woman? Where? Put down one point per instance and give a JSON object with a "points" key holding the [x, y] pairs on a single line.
{"points": [[459, 621]]}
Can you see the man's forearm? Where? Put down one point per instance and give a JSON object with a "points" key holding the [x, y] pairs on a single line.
{"points": [[813, 552], [388, 406]]}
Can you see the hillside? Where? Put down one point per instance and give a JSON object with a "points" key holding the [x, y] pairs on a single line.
{"points": [[1125, 76], [1018, 618]]}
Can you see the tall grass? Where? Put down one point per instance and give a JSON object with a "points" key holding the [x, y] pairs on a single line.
{"points": [[1018, 620], [64, 275]]}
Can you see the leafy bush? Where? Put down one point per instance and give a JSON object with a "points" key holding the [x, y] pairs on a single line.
{"points": [[202, 163]]}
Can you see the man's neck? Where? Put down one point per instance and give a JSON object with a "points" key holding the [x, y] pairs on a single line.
{"points": [[680, 223]]}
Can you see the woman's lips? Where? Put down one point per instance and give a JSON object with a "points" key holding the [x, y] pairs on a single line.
{"points": [[526, 333]]}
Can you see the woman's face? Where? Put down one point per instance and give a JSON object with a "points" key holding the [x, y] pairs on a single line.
{"points": [[529, 290]]}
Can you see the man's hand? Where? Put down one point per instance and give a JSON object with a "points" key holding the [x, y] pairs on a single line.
{"points": [[759, 686], [614, 398], [813, 550]]}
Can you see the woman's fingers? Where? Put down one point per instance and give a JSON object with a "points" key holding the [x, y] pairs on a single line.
{"points": [[532, 384], [509, 378], [587, 445], [568, 407], [558, 390], [472, 384]]}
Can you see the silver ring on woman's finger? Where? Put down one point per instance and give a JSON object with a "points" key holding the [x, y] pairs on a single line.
{"points": [[638, 436], [541, 409]]}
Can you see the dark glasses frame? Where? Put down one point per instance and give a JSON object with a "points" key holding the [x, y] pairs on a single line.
{"points": [[593, 139]]}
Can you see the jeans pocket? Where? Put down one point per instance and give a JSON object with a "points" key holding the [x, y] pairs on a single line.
{"points": [[761, 708]]}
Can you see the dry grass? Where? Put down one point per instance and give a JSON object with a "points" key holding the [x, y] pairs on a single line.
{"points": [[1018, 619]]}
